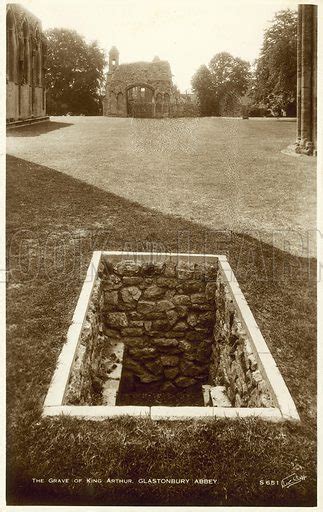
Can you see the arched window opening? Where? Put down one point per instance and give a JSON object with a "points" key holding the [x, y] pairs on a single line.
{"points": [[43, 54], [140, 101], [113, 103], [120, 103], [166, 103], [11, 48], [37, 60], [159, 103], [26, 53]]}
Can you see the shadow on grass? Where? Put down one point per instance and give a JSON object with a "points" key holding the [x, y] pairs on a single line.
{"points": [[34, 130], [48, 210]]}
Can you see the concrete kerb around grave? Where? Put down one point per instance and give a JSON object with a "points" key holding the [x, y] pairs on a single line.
{"points": [[284, 409]]}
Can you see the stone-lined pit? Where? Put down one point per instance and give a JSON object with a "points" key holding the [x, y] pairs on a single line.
{"points": [[164, 329]]}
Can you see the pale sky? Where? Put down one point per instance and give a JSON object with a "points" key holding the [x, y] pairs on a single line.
{"points": [[187, 33]]}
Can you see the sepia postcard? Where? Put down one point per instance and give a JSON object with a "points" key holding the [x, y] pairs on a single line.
{"points": [[162, 253]]}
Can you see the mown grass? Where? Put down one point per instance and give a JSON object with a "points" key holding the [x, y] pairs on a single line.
{"points": [[218, 172], [54, 223]]}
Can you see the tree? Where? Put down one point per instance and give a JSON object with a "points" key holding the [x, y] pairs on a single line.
{"points": [[203, 87], [220, 86], [230, 78], [74, 73], [276, 69]]}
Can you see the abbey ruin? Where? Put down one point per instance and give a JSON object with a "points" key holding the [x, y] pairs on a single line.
{"points": [[139, 89], [26, 62]]}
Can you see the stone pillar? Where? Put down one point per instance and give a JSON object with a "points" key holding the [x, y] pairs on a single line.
{"points": [[306, 79], [299, 71], [314, 79]]}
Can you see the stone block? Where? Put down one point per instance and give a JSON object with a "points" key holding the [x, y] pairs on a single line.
{"points": [[181, 311], [146, 307], [154, 367], [143, 353], [169, 360], [147, 378], [171, 372], [219, 397], [170, 269], [180, 327], [160, 325], [164, 305], [203, 307], [210, 290], [136, 323], [153, 292], [206, 395], [127, 268], [130, 295], [131, 341], [148, 325], [195, 337], [192, 319], [112, 282], [198, 298], [192, 286], [185, 346], [132, 331], [165, 342], [256, 377], [181, 300], [111, 298], [183, 273], [253, 365], [112, 333], [190, 369], [131, 281], [172, 317], [185, 382], [116, 319], [167, 282]]}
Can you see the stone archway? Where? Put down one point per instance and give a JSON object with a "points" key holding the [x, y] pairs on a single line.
{"points": [[140, 101]]}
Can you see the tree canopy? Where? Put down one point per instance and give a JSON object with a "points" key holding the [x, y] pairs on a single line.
{"points": [[220, 86], [203, 87], [276, 68], [74, 73]]}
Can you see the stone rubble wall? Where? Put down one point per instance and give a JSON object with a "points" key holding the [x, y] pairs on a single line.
{"points": [[164, 314], [178, 327], [87, 377], [233, 362]]}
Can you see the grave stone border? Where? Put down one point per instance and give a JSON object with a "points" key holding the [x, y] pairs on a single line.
{"points": [[285, 408]]}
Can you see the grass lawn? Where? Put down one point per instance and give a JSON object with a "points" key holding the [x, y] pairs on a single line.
{"points": [[218, 172], [54, 222]]}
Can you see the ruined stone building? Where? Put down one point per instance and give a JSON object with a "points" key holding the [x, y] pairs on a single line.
{"points": [[26, 57], [139, 89], [307, 79]]}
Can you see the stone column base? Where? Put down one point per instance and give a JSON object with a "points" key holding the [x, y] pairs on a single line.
{"points": [[305, 147]]}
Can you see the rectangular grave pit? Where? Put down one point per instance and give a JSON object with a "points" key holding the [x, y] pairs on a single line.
{"points": [[151, 332]]}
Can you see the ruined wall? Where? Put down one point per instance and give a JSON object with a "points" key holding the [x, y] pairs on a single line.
{"points": [[85, 384], [167, 327], [26, 61], [233, 363], [164, 315], [157, 75]]}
